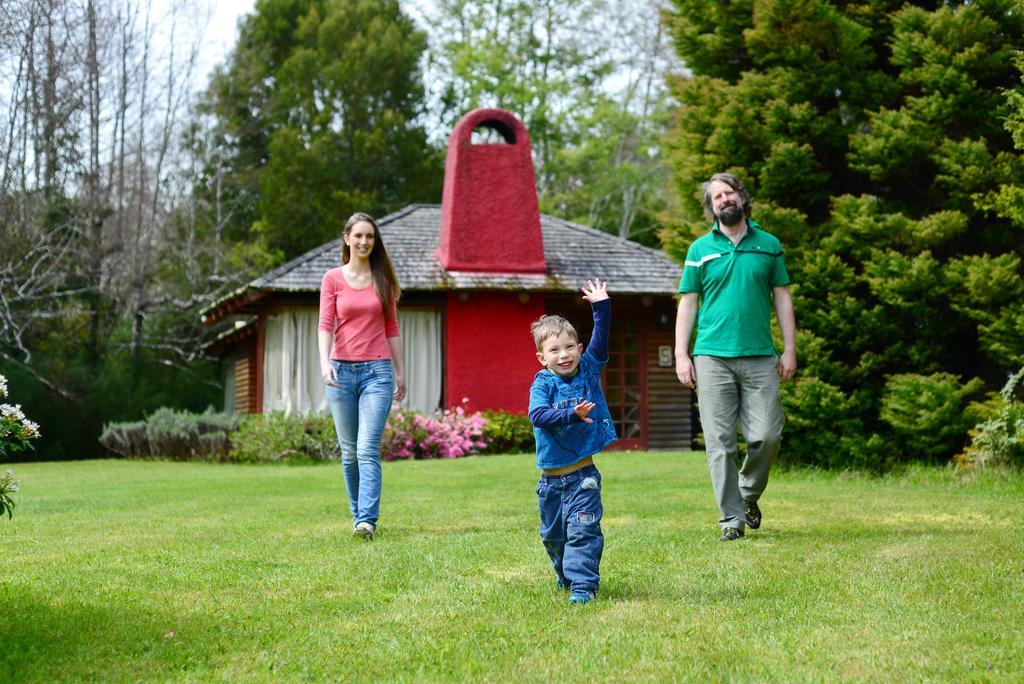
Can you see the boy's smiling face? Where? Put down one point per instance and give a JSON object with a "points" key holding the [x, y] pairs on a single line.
{"points": [[560, 354]]}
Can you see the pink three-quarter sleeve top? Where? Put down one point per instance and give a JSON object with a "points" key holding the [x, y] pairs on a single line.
{"points": [[356, 320]]}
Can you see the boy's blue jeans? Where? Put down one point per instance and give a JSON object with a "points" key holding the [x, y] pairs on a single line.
{"points": [[359, 403], [570, 526]]}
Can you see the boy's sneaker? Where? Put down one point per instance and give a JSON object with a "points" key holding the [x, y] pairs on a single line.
{"points": [[730, 533], [365, 531], [580, 596], [753, 513]]}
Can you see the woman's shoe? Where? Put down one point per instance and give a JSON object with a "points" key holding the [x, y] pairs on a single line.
{"points": [[365, 530]]}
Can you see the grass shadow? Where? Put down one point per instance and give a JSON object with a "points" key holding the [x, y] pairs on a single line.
{"points": [[51, 637]]}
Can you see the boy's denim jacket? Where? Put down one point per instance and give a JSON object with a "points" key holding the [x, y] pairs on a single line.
{"points": [[563, 438]]}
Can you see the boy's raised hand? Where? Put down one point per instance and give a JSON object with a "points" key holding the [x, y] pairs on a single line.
{"points": [[595, 290], [582, 409]]}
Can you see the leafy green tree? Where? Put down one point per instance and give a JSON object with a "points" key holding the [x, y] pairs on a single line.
{"points": [[1008, 202], [873, 137], [530, 57], [316, 115], [587, 77], [613, 178]]}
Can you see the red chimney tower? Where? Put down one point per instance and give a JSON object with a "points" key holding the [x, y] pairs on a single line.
{"points": [[490, 223], [489, 215]]}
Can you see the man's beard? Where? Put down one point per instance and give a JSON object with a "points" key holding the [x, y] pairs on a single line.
{"points": [[730, 215]]}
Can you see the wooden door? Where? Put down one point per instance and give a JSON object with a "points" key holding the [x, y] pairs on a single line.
{"points": [[625, 384]]}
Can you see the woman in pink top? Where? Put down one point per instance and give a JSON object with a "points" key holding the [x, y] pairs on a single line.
{"points": [[359, 343]]}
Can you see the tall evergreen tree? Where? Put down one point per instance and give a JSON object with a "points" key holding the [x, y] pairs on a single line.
{"points": [[316, 115], [873, 138]]}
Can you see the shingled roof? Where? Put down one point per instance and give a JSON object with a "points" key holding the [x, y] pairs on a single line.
{"points": [[573, 254]]}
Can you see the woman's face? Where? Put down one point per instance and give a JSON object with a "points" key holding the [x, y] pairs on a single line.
{"points": [[360, 239]]}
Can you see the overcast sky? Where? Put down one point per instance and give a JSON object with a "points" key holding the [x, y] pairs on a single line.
{"points": [[220, 33]]}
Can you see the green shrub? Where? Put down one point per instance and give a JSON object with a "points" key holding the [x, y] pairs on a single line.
{"points": [[172, 434], [277, 436], [926, 414], [8, 486], [508, 432], [126, 439], [183, 436], [999, 440], [823, 429]]}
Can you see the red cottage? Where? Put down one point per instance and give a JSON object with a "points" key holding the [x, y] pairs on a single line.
{"points": [[475, 272]]}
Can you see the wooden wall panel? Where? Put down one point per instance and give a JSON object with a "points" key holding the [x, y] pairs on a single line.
{"points": [[245, 382], [669, 404]]}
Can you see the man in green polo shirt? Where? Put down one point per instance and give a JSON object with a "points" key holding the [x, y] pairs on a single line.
{"points": [[737, 274]]}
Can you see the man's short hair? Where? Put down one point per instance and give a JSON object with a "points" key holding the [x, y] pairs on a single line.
{"points": [[551, 326]]}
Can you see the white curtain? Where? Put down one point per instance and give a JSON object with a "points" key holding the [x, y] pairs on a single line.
{"points": [[421, 349], [291, 367], [228, 373]]}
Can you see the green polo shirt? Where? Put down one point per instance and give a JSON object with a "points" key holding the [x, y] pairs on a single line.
{"points": [[735, 284]]}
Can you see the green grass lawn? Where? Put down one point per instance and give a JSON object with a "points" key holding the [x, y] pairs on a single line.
{"points": [[116, 570]]}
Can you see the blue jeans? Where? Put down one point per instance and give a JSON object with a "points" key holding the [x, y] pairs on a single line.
{"points": [[359, 404], [570, 526]]}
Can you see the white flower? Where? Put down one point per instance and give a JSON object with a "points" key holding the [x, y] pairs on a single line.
{"points": [[15, 487], [3, 386], [29, 429], [8, 411]]}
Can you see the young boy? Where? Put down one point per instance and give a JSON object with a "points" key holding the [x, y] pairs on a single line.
{"points": [[571, 423]]}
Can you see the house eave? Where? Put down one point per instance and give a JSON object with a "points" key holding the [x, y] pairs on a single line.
{"points": [[242, 330], [249, 300], [241, 301]]}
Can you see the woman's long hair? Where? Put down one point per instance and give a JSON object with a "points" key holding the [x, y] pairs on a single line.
{"points": [[385, 282]]}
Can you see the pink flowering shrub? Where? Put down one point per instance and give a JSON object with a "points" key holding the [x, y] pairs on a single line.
{"points": [[445, 434]]}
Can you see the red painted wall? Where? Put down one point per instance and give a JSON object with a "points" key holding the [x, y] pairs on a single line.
{"points": [[489, 215], [490, 354]]}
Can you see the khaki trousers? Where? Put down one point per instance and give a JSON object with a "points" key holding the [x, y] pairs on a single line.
{"points": [[743, 392]]}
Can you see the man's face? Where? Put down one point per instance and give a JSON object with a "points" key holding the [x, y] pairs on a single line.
{"points": [[725, 203], [560, 354]]}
